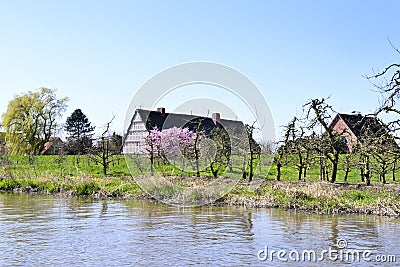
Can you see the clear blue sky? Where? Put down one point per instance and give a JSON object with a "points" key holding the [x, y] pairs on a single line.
{"points": [[99, 52]]}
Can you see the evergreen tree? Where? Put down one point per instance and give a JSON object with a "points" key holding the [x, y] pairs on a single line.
{"points": [[80, 133]]}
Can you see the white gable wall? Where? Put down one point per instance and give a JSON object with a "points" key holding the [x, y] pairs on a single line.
{"points": [[135, 139]]}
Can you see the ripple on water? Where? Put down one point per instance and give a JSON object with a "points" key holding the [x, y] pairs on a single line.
{"points": [[48, 231]]}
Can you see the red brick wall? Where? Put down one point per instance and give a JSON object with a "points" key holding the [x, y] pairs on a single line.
{"points": [[341, 128]]}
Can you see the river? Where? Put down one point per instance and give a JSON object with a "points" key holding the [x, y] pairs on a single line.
{"points": [[58, 231]]}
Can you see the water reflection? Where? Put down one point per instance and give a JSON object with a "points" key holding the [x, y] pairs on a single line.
{"points": [[48, 231]]}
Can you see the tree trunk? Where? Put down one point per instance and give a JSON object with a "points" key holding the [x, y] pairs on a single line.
{"points": [[213, 171], [151, 165], [367, 178], [368, 172], [335, 167], [346, 174], [278, 167], [105, 165], [300, 167], [244, 168], [197, 168], [321, 167], [383, 176], [334, 172], [300, 172], [362, 175], [251, 167], [394, 171], [104, 171]]}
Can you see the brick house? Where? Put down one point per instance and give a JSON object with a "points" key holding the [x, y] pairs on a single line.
{"points": [[145, 120], [54, 146], [353, 126]]}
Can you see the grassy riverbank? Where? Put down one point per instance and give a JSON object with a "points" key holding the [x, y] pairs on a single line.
{"points": [[111, 187], [320, 197], [313, 197], [72, 176]]}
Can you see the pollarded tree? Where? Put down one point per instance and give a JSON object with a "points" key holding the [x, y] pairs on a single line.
{"points": [[31, 120], [382, 146], [222, 147], [284, 149], [331, 142], [80, 133], [103, 153], [388, 83], [254, 151], [298, 145], [365, 150]]}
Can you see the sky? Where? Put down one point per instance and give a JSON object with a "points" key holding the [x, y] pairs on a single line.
{"points": [[99, 53]]}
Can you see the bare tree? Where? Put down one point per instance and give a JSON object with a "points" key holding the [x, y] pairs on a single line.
{"points": [[384, 147], [365, 152], [331, 140], [222, 151], [387, 83], [348, 164], [254, 151], [395, 166], [283, 149], [103, 153]]}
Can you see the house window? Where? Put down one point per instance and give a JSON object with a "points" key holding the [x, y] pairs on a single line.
{"points": [[346, 140]]}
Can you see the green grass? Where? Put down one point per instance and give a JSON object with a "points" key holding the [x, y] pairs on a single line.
{"points": [[320, 197], [60, 166], [66, 166], [67, 175], [289, 172], [70, 175]]}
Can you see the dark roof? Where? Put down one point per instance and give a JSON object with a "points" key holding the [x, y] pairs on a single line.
{"points": [[168, 120], [363, 125]]}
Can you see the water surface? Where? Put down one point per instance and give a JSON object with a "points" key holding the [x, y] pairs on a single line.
{"points": [[49, 231]]}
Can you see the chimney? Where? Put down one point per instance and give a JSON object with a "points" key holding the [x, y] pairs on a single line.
{"points": [[216, 118], [161, 110], [357, 113]]}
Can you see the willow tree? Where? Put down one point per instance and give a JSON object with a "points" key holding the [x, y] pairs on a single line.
{"points": [[31, 119]]}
